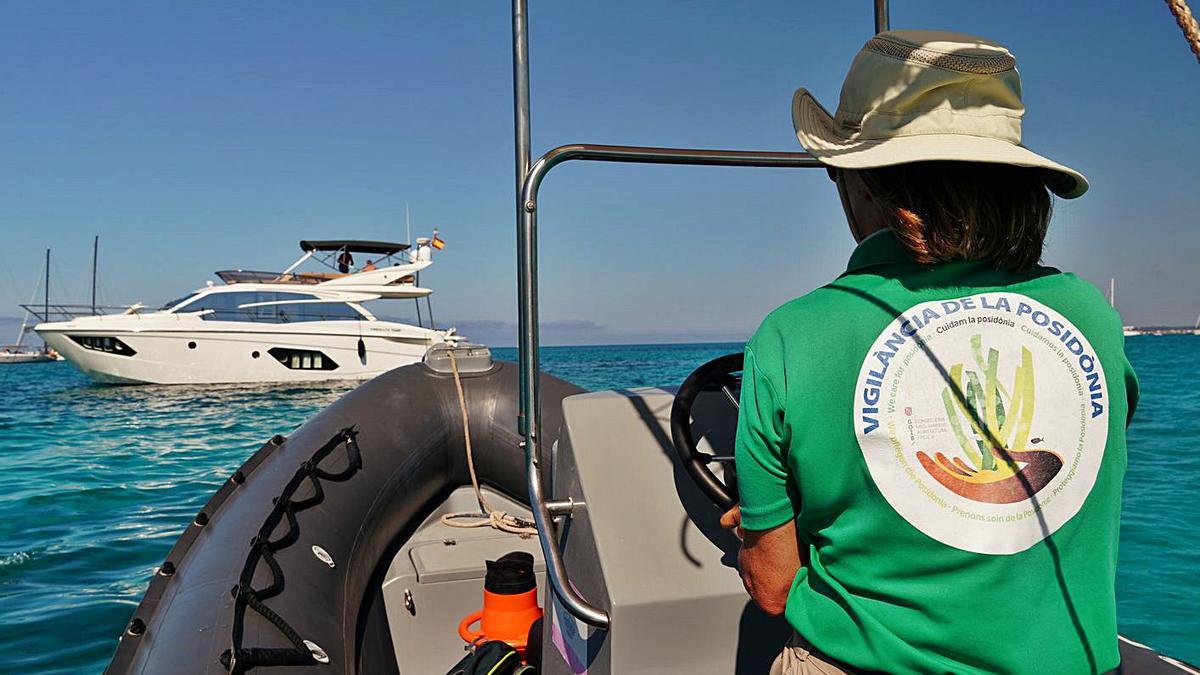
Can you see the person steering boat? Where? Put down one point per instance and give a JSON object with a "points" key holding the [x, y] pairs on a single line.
{"points": [[945, 356]]}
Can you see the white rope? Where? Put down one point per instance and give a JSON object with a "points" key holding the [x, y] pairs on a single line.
{"points": [[487, 516]]}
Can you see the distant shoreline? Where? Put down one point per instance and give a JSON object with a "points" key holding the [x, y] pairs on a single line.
{"points": [[1161, 330]]}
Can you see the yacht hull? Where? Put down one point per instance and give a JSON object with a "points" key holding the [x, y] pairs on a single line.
{"points": [[218, 356]]}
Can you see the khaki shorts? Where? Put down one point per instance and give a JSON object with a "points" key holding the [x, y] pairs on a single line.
{"points": [[798, 658]]}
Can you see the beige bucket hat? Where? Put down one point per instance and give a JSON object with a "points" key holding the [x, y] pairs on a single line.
{"points": [[918, 96]]}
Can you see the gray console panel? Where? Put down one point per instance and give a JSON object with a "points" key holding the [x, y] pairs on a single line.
{"points": [[647, 546]]}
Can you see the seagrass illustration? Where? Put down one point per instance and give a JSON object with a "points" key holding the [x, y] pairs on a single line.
{"points": [[992, 424]]}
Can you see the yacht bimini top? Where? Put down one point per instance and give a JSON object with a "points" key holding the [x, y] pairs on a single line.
{"points": [[384, 248]]}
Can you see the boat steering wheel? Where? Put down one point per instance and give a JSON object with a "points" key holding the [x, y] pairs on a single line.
{"points": [[722, 374]]}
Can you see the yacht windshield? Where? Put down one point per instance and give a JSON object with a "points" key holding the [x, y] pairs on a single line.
{"points": [[176, 302]]}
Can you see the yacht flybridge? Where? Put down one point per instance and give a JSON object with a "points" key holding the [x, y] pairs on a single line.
{"points": [[266, 326]]}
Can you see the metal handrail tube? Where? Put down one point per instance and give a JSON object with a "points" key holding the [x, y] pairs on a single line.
{"points": [[529, 417], [521, 145], [529, 361], [556, 570], [882, 21], [635, 154]]}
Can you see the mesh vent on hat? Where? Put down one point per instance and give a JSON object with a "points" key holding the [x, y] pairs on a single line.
{"points": [[965, 63]]}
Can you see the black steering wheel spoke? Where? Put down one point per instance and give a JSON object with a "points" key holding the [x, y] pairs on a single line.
{"points": [[723, 375]]}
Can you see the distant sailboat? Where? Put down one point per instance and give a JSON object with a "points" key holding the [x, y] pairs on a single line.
{"points": [[1112, 300], [18, 352]]}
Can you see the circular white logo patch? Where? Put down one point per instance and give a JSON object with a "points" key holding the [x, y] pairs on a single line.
{"points": [[983, 420]]}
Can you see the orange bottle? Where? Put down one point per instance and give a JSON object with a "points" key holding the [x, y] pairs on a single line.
{"points": [[509, 603]]}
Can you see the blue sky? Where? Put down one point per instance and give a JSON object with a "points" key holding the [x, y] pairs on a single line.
{"points": [[216, 135]]}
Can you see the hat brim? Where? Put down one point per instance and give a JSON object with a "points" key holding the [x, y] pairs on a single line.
{"points": [[816, 131]]}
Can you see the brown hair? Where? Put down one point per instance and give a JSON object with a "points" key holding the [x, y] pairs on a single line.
{"points": [[943, 211]]}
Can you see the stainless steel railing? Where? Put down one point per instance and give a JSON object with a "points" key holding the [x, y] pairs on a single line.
{"points": [[529, 180], [531, 403]]}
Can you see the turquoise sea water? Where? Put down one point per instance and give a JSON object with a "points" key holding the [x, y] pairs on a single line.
{"points": [[100, 480]]}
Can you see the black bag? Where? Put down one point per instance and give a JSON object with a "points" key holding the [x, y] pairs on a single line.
{"points": [[491, 658]]}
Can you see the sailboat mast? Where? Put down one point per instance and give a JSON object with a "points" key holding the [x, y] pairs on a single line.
{"points": [[1112, 292], [25, 319], [95, 255]]}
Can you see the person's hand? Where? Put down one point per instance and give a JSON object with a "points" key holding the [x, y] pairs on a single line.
{"points": [[732, 520]]}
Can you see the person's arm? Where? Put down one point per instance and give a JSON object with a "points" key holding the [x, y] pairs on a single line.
{"points": [[1132, 391], [769, 561], [765, 518]]}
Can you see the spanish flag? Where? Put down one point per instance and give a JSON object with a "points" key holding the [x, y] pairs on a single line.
{"points": [[437, 241]]}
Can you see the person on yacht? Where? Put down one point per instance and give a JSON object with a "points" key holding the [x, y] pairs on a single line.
{"points": [[345, 261], [930, 449], [369, 267]]}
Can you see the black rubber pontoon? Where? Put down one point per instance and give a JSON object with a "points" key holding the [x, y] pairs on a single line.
{"points": [[292, 546]]}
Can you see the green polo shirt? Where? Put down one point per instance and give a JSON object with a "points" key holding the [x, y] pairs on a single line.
{"points": [[950, 441]]}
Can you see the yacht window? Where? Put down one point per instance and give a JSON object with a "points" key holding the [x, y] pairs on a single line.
{"points": [[320, 311], [228, 306]]}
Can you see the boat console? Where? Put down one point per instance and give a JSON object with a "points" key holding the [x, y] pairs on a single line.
{"points": [[644, 543], [642, 540]]}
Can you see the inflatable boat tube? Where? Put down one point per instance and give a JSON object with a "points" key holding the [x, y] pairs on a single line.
{"points": [[282, 566]]}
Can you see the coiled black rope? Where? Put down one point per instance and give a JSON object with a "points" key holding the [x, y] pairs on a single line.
{"points": [[238, 659]]}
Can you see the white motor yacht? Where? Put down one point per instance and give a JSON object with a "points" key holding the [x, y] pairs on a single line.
{"points": [[265, 326]]}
